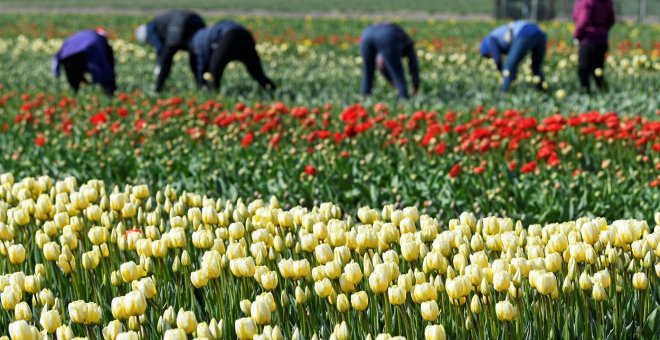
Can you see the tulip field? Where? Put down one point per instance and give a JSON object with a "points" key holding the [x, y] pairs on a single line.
{"points": [[313, 213]]}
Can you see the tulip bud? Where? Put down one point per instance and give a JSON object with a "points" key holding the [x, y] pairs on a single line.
{"points": [[359, 301], [245, 328], [11, 296], [50, 320], [505, 311], [501, 281], [186, 321], [20, 329], [598, 292], [301, 298], [199, 278], [22, 311], [475, 304], [396, 295], [175, 334], [640, 281], [430, 310], [434, 332], [16, 254], [342, 303]]}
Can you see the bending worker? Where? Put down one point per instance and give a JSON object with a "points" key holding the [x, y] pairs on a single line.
{"points": [[87, 51], [384, 45], [221, 44], [169, 33], [516, 39]]}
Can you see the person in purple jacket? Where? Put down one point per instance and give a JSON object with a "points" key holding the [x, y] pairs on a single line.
{"points": [[87, 51], [593, 20], [384, 45]]}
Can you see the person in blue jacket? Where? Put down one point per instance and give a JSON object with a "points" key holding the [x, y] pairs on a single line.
{"points": [[169, 33], [85, 52], [515, 40], [217, 46], [383, 45]]}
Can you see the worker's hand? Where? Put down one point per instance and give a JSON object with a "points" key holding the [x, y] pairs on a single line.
{"points": [[576, 42], [157, 70]]}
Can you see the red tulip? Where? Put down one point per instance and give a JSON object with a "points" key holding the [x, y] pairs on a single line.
{"points": [[455, 171], [310, 170], [40, 140], [247, 139], [529, 167]]}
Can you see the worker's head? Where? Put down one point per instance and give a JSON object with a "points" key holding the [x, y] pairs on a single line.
{"points": [[485, 48], [100, 30], [141, 34]]}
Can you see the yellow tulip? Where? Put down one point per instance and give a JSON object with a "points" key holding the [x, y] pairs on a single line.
{"points": [[175, 334], [245, 328], [430, 310], [640, 281], [505, 311], [22, 311], [50, 320], [434, 332], [598, 292], [260, 312], [186, 321], [359, 301], [16, 253]]}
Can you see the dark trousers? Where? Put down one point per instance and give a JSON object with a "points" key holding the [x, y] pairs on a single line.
{"points": [[75, 68], [165, 61], [591, 56], [237, 45]]}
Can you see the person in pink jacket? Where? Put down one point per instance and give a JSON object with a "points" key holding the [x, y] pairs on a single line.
{"points": [[593, 21]]}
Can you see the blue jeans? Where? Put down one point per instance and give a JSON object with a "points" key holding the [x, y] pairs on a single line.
{"points": [[519, 48]]}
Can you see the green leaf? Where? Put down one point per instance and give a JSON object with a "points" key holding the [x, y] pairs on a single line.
{"points": [[650, 325]]}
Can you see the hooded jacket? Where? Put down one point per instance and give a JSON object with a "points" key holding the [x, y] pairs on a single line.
{"points": [[205, 39], [169, 33], [98, 55], [593, 20], [389, 43], [177, 28]]}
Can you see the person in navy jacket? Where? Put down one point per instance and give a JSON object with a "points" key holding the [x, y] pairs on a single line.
{"points": [[87, 51], [383, 45], [221, 44], [170, 33], [515, 39]]}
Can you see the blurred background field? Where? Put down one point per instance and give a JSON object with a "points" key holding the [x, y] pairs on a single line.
{"points": [[629, 9]]}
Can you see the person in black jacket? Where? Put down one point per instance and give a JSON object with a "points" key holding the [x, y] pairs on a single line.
{"points": [[383, 45], [221, 44], [169, 33]]}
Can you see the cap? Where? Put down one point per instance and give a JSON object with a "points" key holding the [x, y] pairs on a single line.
{"points": [[141, 34], [100, 30]]}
